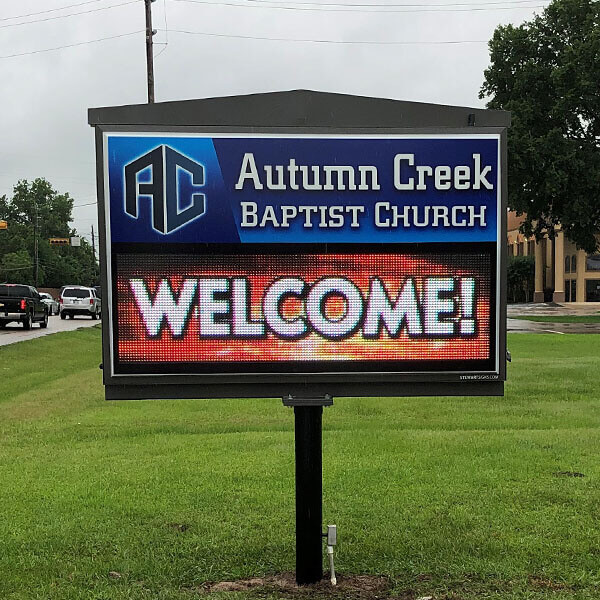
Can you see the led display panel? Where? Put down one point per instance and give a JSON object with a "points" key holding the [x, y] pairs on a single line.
{"points": [[289, 260], [303, 311]]}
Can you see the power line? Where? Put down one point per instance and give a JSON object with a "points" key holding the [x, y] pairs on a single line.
{"points": [[389, 5], [49, 10], [78, 4], [2, 269], [83, 12], [264, 38], [88, 204], [327, 41], [166, 42], [112, 37], [362, 10]]}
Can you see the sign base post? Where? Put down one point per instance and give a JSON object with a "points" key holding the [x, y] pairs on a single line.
{"points": [[308, 430]]}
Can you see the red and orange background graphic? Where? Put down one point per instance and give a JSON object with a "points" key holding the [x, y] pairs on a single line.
{"points": [[136, 345]]}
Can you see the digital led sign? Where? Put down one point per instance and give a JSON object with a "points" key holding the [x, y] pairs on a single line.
{"points": [[289, 259], [303, 311]]}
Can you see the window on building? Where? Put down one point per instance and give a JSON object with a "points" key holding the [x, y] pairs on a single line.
{"points": [[574, 263], [510, 250], [592, 262], [573, 290], [592, 290], [567, 290], [530, 247], [521, 249], [567, 265]]}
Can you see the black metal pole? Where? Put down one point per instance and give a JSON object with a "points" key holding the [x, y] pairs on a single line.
{"points": [[309, 493]]}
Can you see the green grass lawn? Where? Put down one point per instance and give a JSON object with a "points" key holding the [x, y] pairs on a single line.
{"points": [[455, 498], [559, 318]]}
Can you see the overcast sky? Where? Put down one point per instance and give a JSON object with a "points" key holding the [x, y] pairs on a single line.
{"points": [[45, 95]]}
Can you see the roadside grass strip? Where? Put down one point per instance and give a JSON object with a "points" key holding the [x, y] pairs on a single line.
{"points": [[454, 498]]}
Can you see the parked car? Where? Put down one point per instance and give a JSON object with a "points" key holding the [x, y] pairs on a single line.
{"points": [[22, 304], [51, 303], [79, 300]]}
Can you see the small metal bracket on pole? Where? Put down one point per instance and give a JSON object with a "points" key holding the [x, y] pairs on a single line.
{"points": [[290, 400], [308, 413]]}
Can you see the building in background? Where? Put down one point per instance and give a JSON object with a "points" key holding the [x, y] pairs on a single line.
{"points": [[562, 272]]}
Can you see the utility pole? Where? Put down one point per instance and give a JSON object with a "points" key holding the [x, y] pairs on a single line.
{"points": [[93, 244], [149, 56], [36, 262]]}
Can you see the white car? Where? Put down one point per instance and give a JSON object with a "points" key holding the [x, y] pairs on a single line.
{"points": [[79, 300], [51, 303]]}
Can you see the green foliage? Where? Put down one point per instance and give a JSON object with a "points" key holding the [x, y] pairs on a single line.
{"points": [[547, 73], [17, 265], [38, 205], [520, 278]]}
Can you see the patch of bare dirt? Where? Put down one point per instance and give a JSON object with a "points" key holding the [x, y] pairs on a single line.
{"points": [[568, 474], [377, 587], [182, 527], [356, 587], [548, 584]]}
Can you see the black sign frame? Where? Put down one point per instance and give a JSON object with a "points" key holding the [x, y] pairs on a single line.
{"points": [[145, 119]]}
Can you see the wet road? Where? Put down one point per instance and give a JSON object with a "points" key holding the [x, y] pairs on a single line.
{"points": [[14, 332], [521, 326], [553, 310]]}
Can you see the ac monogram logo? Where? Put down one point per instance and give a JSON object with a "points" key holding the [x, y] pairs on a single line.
{"points": [[170, 210]]}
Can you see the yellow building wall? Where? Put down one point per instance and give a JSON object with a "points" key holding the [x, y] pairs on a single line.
{"points": [[549, 269]]}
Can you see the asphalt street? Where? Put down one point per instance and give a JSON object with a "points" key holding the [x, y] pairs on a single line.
{"points": [[554, 310], [14, 332], [519, 326]]}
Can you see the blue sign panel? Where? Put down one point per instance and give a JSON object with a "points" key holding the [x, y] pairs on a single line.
{"points": [[303, 189]]}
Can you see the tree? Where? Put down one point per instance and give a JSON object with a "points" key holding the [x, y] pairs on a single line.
{"points": [[36, 209], [520, 278], [547, 73], [17, 264]]}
